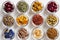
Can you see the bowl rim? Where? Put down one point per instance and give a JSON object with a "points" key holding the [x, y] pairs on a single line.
{"points": [[39, 10], [22, 24], [56, 36], [18, 9], [55, 23], [25, 37], [3, 7], [50, 2], [35, 29], [6, 25], [3, 33], [33, 22]]}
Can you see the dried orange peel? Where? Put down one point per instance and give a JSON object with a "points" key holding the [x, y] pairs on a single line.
{"points": [[22, 20]]}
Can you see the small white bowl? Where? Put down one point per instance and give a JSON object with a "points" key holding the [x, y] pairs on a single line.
{"points": [[3, 34], [4, 5], [37, 19], [56, 23], [48, 10], [6, 25], [41, 31], [55, 37], [18, 9], [37, 11], [22, 38], [22, 24]]}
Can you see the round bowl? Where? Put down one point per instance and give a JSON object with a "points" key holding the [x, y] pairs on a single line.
{"points": [[7, 25], [56, 23], [35, 24], [37, 11], [22, 38], [4, 10], [3, 34], [22, 24], [55, 37], [18, 9], [48, 10], [41, 31]]}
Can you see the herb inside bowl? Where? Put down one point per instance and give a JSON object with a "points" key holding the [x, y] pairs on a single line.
{"points": [[8, 20], [22, 6]]}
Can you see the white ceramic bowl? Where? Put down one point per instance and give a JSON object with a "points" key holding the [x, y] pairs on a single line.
{"points": [[37, 19], [55, 37], [4, 5], [41, 33], [56, 22], [22, 38], [6, 25], [18, 9], [3, 34], [37, 11], [48, 10], [22, 24]]}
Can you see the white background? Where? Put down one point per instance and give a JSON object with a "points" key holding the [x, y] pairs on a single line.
{"points": [[29, 13]]}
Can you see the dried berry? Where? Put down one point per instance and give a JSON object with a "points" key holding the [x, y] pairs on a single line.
{"points": [[52, 7], [8, 7]]}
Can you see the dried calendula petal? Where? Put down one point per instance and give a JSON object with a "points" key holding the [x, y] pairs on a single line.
{"points": [[37, 6], [22, 20]]}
